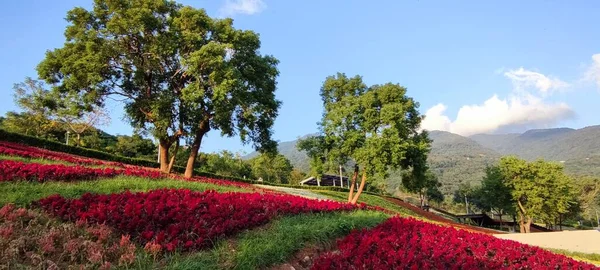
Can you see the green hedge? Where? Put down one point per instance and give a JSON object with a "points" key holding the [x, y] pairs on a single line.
{"points": [[91, 153], [75, 150]]}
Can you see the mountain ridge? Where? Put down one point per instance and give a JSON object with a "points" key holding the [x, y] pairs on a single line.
{"points": [[457, 159]]}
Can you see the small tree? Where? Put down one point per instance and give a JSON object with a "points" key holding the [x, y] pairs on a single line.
{"points": [[465, 193], [494, 195], [47, 108], [376, 126], [426, 185], [539, 189]]}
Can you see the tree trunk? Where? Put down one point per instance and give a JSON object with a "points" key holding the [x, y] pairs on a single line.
{"points": [[528, 225], [360, 188], [521, 223], [354, 176], [78, 139], [170, 167], [164, 145], [466, 204], [202, 129], [189, 168]]}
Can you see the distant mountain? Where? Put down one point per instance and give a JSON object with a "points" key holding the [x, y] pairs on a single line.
{"points": [[554, 144], [457, 159]]}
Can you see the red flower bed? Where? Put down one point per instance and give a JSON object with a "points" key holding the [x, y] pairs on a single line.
{"points": [[15, 149], [182, 219], [401, 243], [15, 171]]}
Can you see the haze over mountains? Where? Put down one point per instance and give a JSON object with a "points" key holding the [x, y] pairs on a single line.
{"points": [[457, 159]]}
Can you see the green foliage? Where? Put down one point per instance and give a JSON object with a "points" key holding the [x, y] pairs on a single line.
{"points": [[316, 150], [426, 185], [540, 189], [134, 146], [61, 147], [296, 176], [227, 164], [279, 241], [272, 168], [494, 194], [33, 125], [180, 72], [23, 193], [376, 126], [588, 189]]}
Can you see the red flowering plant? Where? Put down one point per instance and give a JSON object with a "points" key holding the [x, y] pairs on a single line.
{"points": [[16, 149], [15, 171], [44, 172], [171, 219], [406, 243], [30, 239]]}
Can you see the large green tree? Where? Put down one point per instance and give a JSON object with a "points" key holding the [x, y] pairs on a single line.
{"points": [[539, 189], [179, 72], [375, 126]]}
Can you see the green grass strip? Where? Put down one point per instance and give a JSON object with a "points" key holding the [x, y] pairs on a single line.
{"points": [[371, 200], [35, 160], [593, 258], [23, 193], [279, 241]]}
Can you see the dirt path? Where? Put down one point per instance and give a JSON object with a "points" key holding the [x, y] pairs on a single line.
{"points": [[581, 241]]}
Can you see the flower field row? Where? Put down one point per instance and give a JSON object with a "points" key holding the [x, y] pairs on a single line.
{"points": [[182, 219], [20, 171], [15, 149], [38, 172], [401, 243]]}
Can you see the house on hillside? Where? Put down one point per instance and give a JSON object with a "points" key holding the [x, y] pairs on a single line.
{"points": [[327, 180]]}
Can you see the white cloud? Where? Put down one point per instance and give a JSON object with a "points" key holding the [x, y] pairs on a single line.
{"points": [[593, 72], [522, 79], [519, 109], [248, 7], [495, 114]]}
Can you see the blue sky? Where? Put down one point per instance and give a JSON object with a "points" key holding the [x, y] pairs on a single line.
{"points": [[474, 66]]}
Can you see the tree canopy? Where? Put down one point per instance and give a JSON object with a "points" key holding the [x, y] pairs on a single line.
{"points": [[540, 190], [378, 127], [179, 72]]}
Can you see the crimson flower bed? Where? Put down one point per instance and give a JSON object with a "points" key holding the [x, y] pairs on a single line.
{"points": [[15, 171], [406, 243], [15, 149], [181, 219]]}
